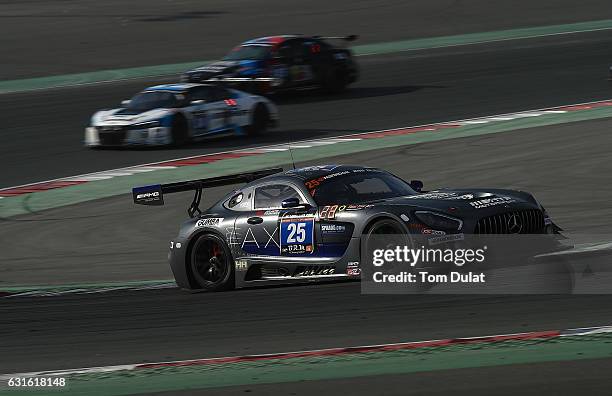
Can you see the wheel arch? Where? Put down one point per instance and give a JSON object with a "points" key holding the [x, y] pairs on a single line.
{"points": [[382, 216]]}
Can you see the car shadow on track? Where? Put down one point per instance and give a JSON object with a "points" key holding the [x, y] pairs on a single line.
{"points": [[311, 96]]}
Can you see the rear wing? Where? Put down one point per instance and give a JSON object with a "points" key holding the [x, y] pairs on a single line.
{"points": [[350, 37], [154, 194]]}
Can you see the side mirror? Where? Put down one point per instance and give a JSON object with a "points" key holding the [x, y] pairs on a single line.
{"points": [[197, 102], [416, 185], [125, 103], [294, 203]]}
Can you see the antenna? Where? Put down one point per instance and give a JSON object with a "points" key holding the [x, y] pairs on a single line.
{"points": [[291, 153]]}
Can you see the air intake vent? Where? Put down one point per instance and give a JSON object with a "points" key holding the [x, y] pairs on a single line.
{"points": [[517, 222]]}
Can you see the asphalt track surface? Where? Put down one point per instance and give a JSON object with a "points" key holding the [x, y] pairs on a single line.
{"points": [[43, 38], [564, 166], [111, 237], [43, 130]]}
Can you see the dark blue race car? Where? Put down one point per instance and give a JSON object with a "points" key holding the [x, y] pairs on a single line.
{"points": [[278, 63]]}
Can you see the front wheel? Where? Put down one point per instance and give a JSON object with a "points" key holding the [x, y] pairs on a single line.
{"points": [[211, 263]]}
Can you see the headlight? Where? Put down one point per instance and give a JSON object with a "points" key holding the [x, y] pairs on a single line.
{"points": [[439, 221], [145, 125]]}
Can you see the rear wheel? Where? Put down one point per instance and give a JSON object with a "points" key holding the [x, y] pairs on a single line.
{"points": [[260, 120], [211, 263]]}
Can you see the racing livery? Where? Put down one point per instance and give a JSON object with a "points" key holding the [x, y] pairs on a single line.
{"points": [[178, 113], [270, 64], [307, 223]]}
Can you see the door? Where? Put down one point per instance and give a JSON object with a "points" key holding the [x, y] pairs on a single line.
{"points": [[220, 111], [298, 58], [269, 230], [197, 108], [211, 109]]}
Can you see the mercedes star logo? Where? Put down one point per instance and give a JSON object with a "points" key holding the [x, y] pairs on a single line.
{"points": [[515, 225]]}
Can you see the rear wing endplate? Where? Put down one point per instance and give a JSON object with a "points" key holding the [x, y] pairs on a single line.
{"points": [[154, 194]]}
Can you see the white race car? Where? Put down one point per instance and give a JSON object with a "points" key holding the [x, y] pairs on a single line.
{"points": [[174, 114]]}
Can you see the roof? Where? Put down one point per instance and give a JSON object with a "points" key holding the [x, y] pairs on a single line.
{"points": [[270, 40], [181, 87], [312, 172]]}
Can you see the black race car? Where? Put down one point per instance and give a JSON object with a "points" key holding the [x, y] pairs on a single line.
{"points": [[306, 224], [278, 63]]}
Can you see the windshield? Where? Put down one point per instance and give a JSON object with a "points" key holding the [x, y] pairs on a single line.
{"points": [[145, 101], [248, 52], [360, 187]]}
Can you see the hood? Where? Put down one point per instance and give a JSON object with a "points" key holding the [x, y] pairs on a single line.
{"points": [[458, 202], [243, 68], [126, 117]]}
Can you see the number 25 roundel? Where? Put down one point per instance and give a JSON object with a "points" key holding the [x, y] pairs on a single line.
{"points": [[297, 235]]}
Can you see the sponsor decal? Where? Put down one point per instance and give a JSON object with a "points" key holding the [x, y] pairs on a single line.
{"points": [[352, 268], [154, 194], [330, 211], [271, 237], [249, 237], [148, 195], [464, 196], [446, 239], [297, 234], [231, 236], [241, 265], [313, 183], [442, 195], [488, 202], [272, 212], [333, 228], [209, 222], [313, 271], [428, 231]]}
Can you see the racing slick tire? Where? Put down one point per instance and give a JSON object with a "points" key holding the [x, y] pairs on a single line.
{"points": [[260, 120], [180, 135], [211, 264]]}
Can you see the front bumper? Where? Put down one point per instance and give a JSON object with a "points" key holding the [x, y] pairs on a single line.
{"points": [[126, 136]]}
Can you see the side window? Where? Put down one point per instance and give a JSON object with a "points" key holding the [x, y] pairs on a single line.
{"points": [[200, 93], [273, 195], [285, 52], [217, 94], [311, 49], [240, 200], [235, 200]]}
